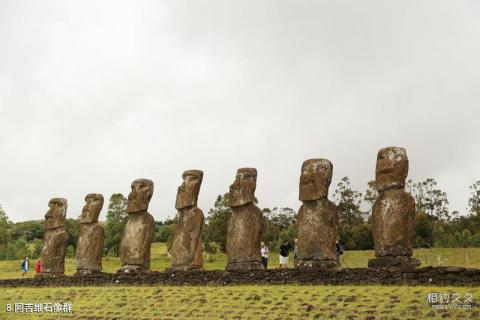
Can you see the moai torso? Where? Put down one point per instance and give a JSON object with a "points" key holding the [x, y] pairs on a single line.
{"points": [[244, 234], [92, 236], [317, 230], [394, 223], [187, 240], [56, 239], [245, 226], [186, 250], [393, 211], [317, 219], [139, 229]]}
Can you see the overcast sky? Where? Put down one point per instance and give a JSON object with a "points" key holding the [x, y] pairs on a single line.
{"points": [[94, 94]]}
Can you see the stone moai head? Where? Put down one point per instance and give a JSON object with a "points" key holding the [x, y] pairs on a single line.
{"points": [[392, 168], [315, 179], [55, 216], [139, 197], [187, 194], [92, 208], [242, 191]]}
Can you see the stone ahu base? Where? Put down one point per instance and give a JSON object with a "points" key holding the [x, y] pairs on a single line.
{"points": [[433, 276], [184, 268], [401, 262], [85, 272], [246, 265], [316, 264], [49, 275], [133, 269]]}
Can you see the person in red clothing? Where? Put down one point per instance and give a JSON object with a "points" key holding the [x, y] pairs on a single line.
{"points": [[38, 266]]}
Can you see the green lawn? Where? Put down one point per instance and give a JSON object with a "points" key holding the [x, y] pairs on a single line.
{"points": [[463, 257], [240, 302], [246, 302]]}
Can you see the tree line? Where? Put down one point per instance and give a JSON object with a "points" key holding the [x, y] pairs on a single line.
{"points": [[436, 225]]}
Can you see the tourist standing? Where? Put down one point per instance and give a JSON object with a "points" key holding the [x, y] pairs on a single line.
{"points": [[285, 248], [38, 266], [24, 266], [338, 250], [264, 251]]}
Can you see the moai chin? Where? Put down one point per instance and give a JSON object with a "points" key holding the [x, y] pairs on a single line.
{"points": [[92, 236], [245, 226], [317, 219], [393, 212], [139, 230], [56, 239], [186, 251]]}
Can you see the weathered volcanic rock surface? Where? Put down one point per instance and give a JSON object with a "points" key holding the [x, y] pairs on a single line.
{"points": [[438, 276]]}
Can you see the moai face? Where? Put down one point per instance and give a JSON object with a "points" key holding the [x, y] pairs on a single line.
{"points": [[392, 168], [55, 216], [139, 197], [187, 194], [242, 191], [92, 208], [315, 179]]}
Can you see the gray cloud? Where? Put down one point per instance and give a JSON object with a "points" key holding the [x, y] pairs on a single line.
{"points": [[94, 95]]}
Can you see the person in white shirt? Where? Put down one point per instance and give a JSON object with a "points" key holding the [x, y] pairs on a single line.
{"points": [[264, 251]]}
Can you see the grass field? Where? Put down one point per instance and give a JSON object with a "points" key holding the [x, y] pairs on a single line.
{"points": [[246, 302], [240, 302], [462, 257]]}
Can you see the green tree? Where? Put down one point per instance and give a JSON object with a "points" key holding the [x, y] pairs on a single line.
{"points": [[4, 234], [27, 230], [348, 203], [280, 217], [34, 230], [474, 200], [361, 237], [431, 200], [423, 231], [279, 225], [17, 249], [215, 229], [37, 248], [163, 231], [72, 227], [115, 223], [354, 229], [371, 194]]}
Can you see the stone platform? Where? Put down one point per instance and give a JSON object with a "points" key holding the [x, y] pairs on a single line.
{"points": [[436, 276], [404, 263]]}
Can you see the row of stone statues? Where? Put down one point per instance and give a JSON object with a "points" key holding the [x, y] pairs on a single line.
{"points": [[317, 222]]}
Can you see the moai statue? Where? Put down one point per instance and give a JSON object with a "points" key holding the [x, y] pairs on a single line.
{"points": [[56, 239], [317, 219], [186, 248], [139, 229], [91, 238], [393, 212], [245, 226]]}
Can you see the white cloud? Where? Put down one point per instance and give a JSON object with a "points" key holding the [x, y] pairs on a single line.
{"points": [[96, 94]]}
